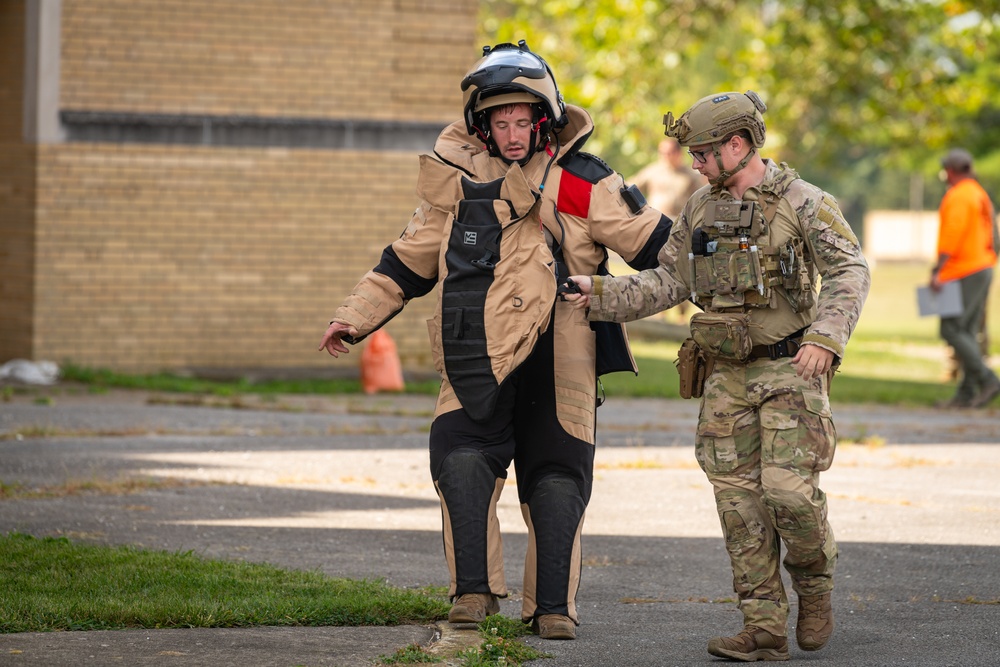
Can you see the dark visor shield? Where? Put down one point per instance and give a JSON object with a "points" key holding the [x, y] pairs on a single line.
{"points": [[502, 66]]}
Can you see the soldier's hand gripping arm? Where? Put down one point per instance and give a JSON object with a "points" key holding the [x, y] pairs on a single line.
{"points": [[579, 293], [627, 298]]}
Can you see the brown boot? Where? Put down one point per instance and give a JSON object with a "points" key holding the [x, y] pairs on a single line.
{"points": [[473, 608], [751, 645], [554, 626], [815, 624]]}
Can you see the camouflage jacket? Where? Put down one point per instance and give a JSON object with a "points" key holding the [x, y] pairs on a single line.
{"points": [[803, 212]]}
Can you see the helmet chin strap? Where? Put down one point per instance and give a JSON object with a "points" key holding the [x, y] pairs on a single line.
{"points": [[724, 174]]}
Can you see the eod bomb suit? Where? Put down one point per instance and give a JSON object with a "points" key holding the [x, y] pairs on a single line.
{"points": [[517, 365]]}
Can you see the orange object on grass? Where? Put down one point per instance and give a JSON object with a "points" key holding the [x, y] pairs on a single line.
{"points": [[380, 366]]}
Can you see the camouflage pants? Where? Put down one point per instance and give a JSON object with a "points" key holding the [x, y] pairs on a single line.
{"points": [[764, 435]]}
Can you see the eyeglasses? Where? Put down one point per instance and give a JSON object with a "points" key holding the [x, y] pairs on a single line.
{"points": [[699, 156]]}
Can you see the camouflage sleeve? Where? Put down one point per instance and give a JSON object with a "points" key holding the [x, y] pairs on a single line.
{"points": [[627, 298], [836, 252]]}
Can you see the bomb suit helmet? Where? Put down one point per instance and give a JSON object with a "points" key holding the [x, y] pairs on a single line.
{"points": [[512, 74], [713, 118]]}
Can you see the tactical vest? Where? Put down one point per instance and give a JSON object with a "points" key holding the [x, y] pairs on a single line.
{"points": [[733, 265]]}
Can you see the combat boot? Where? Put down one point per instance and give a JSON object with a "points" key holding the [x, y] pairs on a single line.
{"points": [[473, 608], [815, 623], [751, 645], [554, 626]]}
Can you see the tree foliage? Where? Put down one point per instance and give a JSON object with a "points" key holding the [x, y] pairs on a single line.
{"points": [[864, 96]]}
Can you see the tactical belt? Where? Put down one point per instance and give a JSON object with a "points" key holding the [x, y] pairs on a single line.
{"points": [[786, 347]]}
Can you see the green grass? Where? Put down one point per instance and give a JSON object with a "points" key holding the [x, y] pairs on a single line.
{"points": [[56, 584], [414, 654], [169, 382], [500, 645]]}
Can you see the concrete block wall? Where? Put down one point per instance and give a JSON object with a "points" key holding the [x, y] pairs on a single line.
{"points": [[159, 256]]}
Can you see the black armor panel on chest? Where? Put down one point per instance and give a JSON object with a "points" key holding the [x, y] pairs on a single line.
{"points": [[471, 257]]}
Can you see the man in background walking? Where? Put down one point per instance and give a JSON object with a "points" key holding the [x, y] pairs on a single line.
{"points": [[966, 252]]}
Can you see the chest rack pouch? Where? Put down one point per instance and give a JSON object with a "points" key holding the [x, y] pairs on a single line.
{"points": [[725, 258], [796, 279]]}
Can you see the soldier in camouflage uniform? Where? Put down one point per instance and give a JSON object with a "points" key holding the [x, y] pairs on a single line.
{"points": [[748, 250]]}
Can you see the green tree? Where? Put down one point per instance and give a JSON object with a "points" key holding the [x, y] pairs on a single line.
{"points": [[863, 95]]}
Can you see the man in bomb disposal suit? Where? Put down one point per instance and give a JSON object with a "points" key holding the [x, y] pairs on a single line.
{"points": [[510, 207], [747, 249]]}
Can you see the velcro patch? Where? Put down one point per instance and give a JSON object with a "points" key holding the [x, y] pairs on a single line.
{"points": [[828, 213], [574, 195]]}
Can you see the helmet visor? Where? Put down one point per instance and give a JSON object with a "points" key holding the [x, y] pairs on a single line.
{"points": [[502, 66]]}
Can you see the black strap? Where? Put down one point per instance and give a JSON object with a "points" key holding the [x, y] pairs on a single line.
{"points": [[786, 347]]}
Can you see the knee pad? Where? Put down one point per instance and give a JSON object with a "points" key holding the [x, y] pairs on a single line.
{"points": [[744, 518], [800, 521], [559, 496], [552, 567], [466, 476], [556, 507], [750, 539], [468, 490], [794, 512]]}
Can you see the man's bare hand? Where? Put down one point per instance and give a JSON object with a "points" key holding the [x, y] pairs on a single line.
{"points": [[332, 339], [812, 361], [585, 287]]}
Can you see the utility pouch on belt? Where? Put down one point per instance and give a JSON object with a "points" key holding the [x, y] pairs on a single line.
{"points": [[692, 369], [725, 335]]}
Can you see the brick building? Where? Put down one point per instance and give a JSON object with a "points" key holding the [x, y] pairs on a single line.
{"points": [[189, 184]]}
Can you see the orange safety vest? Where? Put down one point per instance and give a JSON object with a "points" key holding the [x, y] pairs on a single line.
{"points": [[966, 231]]}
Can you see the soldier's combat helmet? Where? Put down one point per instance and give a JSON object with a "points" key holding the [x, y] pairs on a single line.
{"points": [[714, 118], [512, 74]]}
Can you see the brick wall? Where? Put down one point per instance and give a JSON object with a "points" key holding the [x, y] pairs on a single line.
{"points": [[176, 256], [167, 256], [384, 59]]}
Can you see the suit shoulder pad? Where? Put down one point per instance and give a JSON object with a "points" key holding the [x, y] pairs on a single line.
{"points": [[586, 166]]}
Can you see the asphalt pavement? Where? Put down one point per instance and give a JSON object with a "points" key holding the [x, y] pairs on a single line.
{"points": [[340, 484]]}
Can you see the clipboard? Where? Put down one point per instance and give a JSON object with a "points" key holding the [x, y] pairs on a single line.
{"points": [[946, 303]]}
